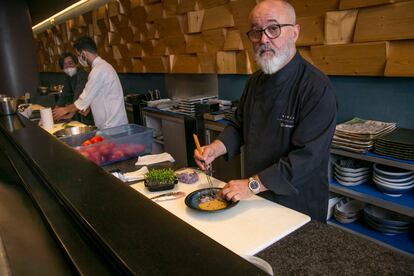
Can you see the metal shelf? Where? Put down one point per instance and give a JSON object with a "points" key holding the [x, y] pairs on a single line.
{"points": [[376, 158], [402, 243], [367, 192]]}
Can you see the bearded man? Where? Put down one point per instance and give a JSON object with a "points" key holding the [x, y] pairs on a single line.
{"points": [[285, 120]]}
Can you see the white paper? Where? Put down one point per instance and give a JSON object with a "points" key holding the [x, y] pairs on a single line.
{"points": [[154, 159]]}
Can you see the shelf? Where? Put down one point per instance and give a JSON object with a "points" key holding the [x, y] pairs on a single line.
{"points": [[376, 158], [400, 242], [369, 193]]}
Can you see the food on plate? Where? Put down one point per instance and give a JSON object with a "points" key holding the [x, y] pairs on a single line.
{"points": [[188, 176], [212, 203], [160, 176]]}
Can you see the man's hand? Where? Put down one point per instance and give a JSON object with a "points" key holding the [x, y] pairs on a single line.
{"points": [[60, 113], [236, 190], [86, 112], [210, 152]]}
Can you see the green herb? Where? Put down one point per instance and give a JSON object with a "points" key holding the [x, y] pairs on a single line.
{"points": [[160, 176], [67, 126]]}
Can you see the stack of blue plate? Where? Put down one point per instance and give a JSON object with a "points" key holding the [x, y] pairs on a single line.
{"points": [[351, 172], [386, 221], [393, 181]]}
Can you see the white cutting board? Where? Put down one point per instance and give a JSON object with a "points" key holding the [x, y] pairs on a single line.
{"points": [[249, 227]]}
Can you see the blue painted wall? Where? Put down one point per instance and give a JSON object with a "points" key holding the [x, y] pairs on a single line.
{"points": [[379, 98]]}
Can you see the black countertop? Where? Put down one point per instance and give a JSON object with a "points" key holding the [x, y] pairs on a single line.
{"points": [[122, 222]]}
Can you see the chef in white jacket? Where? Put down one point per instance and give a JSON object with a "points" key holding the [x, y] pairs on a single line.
{"points": [[102, 93]]}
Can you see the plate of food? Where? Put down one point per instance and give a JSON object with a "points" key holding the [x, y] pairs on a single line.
{"points": [[208, 200]]}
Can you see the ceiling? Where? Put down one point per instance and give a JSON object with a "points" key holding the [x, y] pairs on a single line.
{"points": [[42, 9]]}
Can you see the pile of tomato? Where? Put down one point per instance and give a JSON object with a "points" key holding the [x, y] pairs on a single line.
{"points": [[102, 152]]}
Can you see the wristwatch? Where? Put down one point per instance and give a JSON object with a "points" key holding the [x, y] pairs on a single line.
{"points": [[254, 185]]}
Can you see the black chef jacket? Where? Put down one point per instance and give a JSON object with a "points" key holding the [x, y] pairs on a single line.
{"points": [[286, 122], [72, 89]]}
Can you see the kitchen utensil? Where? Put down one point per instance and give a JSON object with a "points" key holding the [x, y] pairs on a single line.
{"points": [[194, 198], [46, 118], [208, 170], [168, 196], [74, 131], [8, 106]]}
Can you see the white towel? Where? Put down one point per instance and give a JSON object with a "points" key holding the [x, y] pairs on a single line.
{"points": [[154, 158], [132, 176]]}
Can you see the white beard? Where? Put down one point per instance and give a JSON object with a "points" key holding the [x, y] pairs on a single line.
{"points": [[271, 65]]}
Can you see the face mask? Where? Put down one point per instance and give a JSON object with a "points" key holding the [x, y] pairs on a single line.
{"points": [[82, 60], [71, 71]]}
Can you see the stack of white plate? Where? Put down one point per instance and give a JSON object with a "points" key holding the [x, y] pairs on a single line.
{"points": [[351, 172], [348, 210], [393, 181], [187, 105], [386, 221]]}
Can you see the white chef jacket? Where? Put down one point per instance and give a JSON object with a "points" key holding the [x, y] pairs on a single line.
{"points": [[103, 93]]}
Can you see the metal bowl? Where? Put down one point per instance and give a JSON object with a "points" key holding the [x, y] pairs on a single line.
{"points": [[8, 105], [71, 131]]}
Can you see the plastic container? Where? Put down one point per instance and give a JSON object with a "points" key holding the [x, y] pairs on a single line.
{"points": [[119, 143]]}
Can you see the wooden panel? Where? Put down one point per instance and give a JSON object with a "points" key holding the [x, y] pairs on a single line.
{"points": [[241, 10], [214, 39], [184, 64], [160, 48], [137, 66], [312, 30], [207, 63], [206, 4], [340, 26], [400, 60], [313, 7], [169, 26], [195, 44], [388, 22], [134, 50], [137, 16], [114, 38], [170, 7], [195, 21], [218, 17], [155, 64], [154, 12], [176, 44], [305, 52], [233, 41], [364, 59], [186, 6], [231, 62], [126, 34], [113, 8], [120, 51], [353, 4], [148, 47]]}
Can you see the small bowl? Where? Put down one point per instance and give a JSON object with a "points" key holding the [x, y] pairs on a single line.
{"points": [[386, 217], [72, 131], [392, 190]]}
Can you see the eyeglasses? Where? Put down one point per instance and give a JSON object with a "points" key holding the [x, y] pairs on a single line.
{"points": [[272, 31]]}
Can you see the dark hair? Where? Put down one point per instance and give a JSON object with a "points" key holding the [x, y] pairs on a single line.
{"points": [[65, 55], [86, 43]]}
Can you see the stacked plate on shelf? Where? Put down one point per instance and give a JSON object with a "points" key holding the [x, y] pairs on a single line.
{"points": [[187, 105], [398, 144], [348, 210], [393, 181], [351, 172], [357, 135], [387, 222]]}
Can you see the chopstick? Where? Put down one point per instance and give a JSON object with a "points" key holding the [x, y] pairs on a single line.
{"points": [[207, 167]]}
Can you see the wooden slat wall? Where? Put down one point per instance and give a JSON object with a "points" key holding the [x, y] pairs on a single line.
{"points": [[341, 37]]}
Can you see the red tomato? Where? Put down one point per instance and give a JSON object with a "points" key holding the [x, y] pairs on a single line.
{"points": [[86, 143], [96, 139]]}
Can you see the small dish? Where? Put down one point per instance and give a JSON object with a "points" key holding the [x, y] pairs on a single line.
{"points": [[386, 217], [392, 172], [155, 187], [352, 165], [194, 198], [396, 181]]}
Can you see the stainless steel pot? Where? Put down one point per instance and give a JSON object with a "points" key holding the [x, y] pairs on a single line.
{"points": [[74, 131], [8, 106]]}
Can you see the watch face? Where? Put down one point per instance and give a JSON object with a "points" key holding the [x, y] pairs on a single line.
{"points": [[253, 184]]}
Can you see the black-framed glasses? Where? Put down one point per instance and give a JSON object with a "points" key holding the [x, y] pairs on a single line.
{"points": [[271, 31]]}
